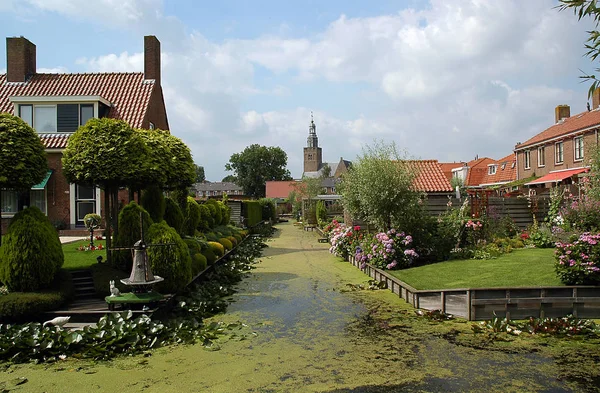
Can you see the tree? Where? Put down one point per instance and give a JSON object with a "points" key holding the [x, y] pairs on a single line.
{"points": [[325, 171], [257, 164], [307, 190], [378, 188], [200, 176], [107, 153], [22, 157], [584, 8], [230, 179]]}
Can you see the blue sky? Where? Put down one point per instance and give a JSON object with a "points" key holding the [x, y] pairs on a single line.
{"points": [[443, 79]]}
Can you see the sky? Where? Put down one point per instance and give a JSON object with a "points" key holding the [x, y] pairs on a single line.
{"points": [[443, 79]]}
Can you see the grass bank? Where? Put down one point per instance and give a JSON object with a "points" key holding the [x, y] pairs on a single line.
{"points": [[520, 268]]}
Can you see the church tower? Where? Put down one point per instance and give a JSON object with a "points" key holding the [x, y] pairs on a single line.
{"points": [[313, 156]]}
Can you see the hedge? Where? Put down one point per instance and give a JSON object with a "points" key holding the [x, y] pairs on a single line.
{"points": [[252, 212]]}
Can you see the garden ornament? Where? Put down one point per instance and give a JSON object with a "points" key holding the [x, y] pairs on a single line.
{"points": [[58, 321], [114, 291]]}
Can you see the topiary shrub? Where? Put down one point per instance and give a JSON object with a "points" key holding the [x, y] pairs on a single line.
{"points": [[211, 236], [31, 253], [129, 233], [173, 215], [252, 212], [210, 219], [268, 210], [153, 201], [193, 216], [173, 263], [225, 213], [215, 211], [233, 240], [199, 263], [226, 243], [18, 307], [205, 218], [217, 248], [211, 257]]}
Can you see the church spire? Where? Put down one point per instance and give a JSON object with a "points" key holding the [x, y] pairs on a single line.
{"points": [[312, 140]]}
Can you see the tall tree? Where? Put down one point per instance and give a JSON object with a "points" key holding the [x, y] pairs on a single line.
{"points": [[107, 153], [230, 179], [200, 176], [22, 157], [378, 188], [256, 165]]}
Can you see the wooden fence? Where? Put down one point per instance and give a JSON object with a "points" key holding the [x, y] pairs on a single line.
{"points": [[483, 303]]}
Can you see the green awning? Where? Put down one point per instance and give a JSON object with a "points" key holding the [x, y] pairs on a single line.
{"points": [[41, 185]]}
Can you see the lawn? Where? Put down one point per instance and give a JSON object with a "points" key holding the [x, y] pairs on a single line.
{"points": [[520, 268], [77, 260]]}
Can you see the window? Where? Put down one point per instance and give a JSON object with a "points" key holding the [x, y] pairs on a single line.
{"points": [[527, 159], [38, 199], [578, 147], [541, 156], [503, 165], [86, 112], [559, 150], [26, 113], [44, 118], [491, 169], [152, 126], [10, 200]]}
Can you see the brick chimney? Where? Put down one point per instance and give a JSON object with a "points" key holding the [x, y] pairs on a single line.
{"points": [[20, 59], [596, 98], [562, 112], [152, 58]]}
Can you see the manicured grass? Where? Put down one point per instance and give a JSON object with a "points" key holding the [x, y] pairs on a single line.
{"points": [[77, 260], [520, 268]]}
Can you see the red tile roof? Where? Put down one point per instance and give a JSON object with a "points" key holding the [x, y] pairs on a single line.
{"points": [[568, 125], [448, 166], [54, 141], [430, 177], [128, 92], [478, 169], [506, 171], [280, 189]]}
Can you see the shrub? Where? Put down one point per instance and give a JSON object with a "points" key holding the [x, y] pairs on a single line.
{"points": [[210, 255], [31, 253], [193, 216], [252, 212], [226, 213], [217, 248], [24, 306], [205, 218], [233, 240], [210, 219], [173, 215], [540, 235], [321, 213], [215, 211], [129, 233], [211, 236], [344, 241], [268, 210], [173, 263], [154, 202], [578, 263], [388, 250], [226, 243], [199, 263], [582, 214]]}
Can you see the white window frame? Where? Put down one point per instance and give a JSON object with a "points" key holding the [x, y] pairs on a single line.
{"points": [[578, 149], [541, 151], [558, 150], [527, 159], [55, 118], [492, 169]]}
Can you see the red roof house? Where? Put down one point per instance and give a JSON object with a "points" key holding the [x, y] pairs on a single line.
{"points": [[55, 105]]}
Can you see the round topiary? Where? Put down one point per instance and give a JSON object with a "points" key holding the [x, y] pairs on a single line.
{"points": [[193, 216], [233, 240], [205, 218], [210, 220], [173, 262], [153, 201], [226, 243], [31, 253], [215, 211], [225, 213], [217, 248], [173, 215], [211, 257], [129, 233], [199, 263]]}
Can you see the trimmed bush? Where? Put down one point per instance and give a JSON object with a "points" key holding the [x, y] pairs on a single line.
{"points": [[173, 263], [268, 210], [226, 243], [210, 220], [31, 253], [25, 306], [153, 201], [129, 233], [199, 263], [211, 236], [252, 212], [205, 218], [233, 240], [211, 257], [193, 217], [217, 248], [225, 213], [215, 211], [173, 215], [237, 237]]}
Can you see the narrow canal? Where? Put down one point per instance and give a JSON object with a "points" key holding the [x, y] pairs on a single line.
{"points": [[311, 329]]}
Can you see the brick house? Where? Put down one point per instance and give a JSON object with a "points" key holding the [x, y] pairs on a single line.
{"points": [[208, 189], [473, 172], [560, 153], [500, 174], [55, 105]]}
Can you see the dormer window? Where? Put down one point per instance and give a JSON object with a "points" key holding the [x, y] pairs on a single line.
{"points": [[492, 169]]}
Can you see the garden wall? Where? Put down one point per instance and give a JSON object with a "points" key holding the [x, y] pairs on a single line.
{"points": [[483, 303]]}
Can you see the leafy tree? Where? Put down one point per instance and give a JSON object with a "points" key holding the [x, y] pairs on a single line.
{"points": [[325, 171], [378, 188], [200, 176], [153, 201], [306, 191], [107, 153], [173, 215], [257, 164], [22, 157], [230, 179]]}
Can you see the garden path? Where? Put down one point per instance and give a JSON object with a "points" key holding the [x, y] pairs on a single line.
{"points": [[316, 333]]}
